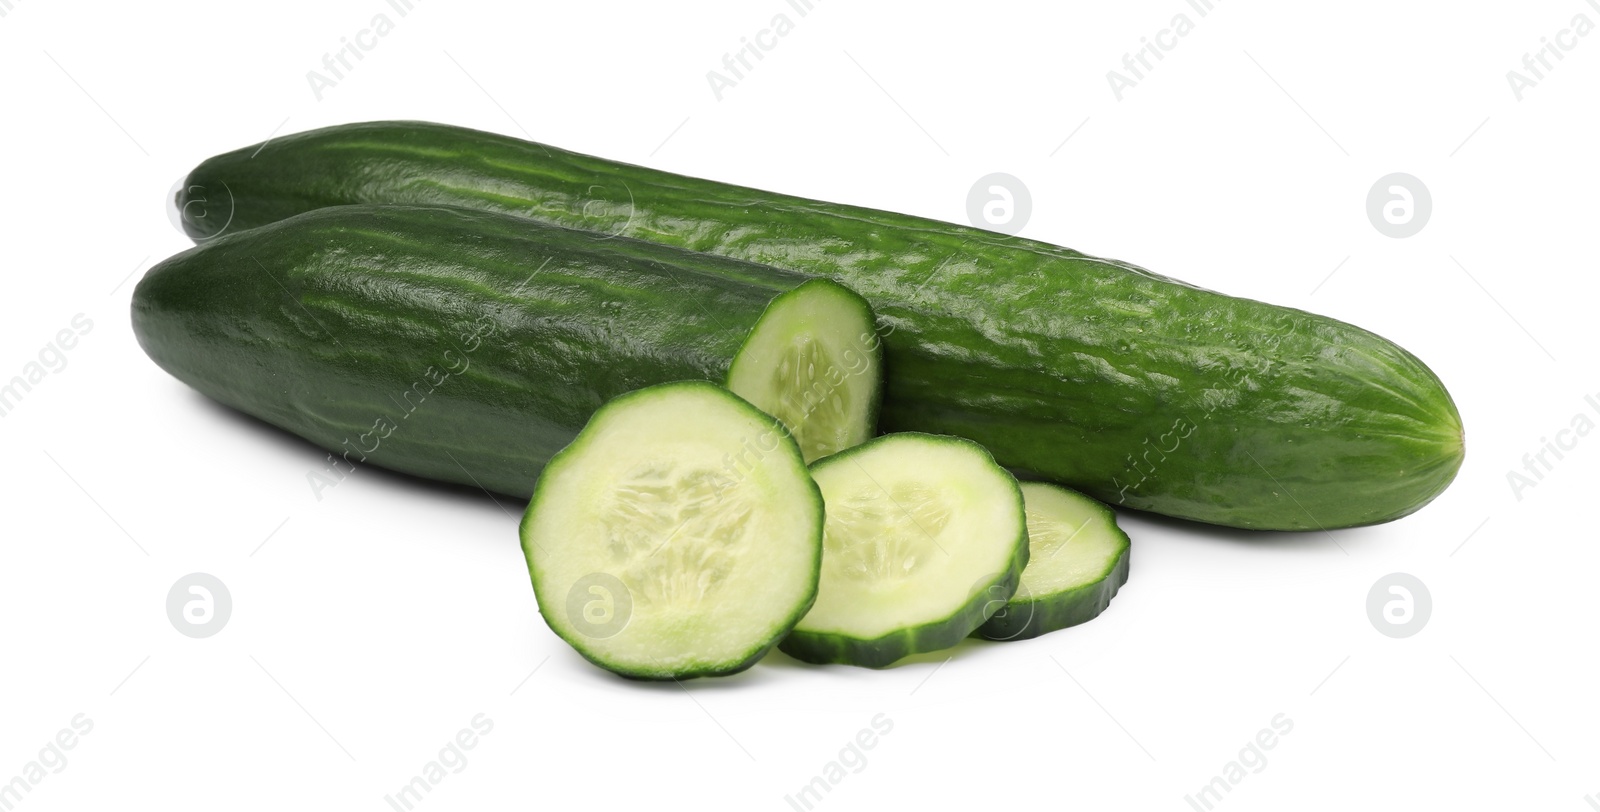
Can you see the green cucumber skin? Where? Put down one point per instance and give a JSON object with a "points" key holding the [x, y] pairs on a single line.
{"points": [[880, 652], [458, 345], [1139, 390], [573, 452]]}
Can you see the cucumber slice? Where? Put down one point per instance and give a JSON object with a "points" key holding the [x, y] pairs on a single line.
{"points": [[680, 534], [814, 362], [911, 520], [1077, 560]]}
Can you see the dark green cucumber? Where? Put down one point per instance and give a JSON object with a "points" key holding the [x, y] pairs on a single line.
{"points": [[1140, 390], [470, 346]]}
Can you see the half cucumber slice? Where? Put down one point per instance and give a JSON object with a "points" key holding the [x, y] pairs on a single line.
{"points": [[913, 521], [680, 534], [1077, 560], [814, 362]]}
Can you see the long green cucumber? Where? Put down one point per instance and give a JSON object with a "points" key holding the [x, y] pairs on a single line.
{"points": [[470, 347], [1137, 389]]}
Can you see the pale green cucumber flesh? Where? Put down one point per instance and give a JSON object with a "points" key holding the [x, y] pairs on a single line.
{"points": [[923, 531], [678, 536], [814, 362], [1077, 560]]}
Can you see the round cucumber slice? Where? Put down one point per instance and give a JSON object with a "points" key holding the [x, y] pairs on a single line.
{"points": [[680, 534], [1077, 560], [913, 520], [814, 362]]}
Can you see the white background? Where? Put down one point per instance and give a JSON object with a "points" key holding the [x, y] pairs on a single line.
{"points": [[370, 626]]}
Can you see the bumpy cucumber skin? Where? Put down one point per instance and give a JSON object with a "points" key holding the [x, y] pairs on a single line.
{"points": [[1028, 616], [571, 454], [879, 652], [458, 345], [1139, 390]]}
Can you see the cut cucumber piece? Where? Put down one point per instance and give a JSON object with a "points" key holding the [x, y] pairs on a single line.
{"points": [[814, 362], [469, 347], [680, 534], [1077, 560], [913, 521]]}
